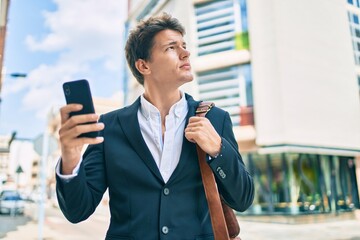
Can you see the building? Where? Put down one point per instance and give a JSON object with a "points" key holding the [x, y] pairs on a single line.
{"points": [[20, 164], [4, 159], [4, 7], [285, 72], [16, 160]]}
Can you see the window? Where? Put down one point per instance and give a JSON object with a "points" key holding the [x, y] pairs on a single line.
{"points": [[354, 24], [229, 88], [355, 19], [302, 183], [355, 3], [152, 7], [221, 26], [357, 33]]}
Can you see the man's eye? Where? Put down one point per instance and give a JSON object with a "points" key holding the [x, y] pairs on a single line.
{"points": [[170, 48]]}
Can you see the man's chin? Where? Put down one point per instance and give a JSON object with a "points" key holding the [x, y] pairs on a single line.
{"points": [[189, 78], [186, 78]]}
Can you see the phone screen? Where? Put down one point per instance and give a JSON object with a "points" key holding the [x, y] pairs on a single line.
{"points": [[79, 92]]}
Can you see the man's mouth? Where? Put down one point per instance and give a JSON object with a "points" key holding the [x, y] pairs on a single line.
{"points": [[186, 66]]}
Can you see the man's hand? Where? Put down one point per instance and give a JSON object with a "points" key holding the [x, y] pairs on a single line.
{"points": [[71, 128], [201, 131]]}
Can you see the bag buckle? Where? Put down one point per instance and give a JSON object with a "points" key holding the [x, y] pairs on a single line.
{"points": [[204, 107]]}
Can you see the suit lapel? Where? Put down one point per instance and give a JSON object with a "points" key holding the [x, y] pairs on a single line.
{"points": [[186, 146], [130, 125]]}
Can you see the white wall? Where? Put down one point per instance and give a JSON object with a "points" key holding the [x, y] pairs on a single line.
{"points": [[305, 88], [21, 154]]}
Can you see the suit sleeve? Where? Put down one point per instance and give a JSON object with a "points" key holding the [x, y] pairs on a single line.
{"points": [[234, 181], [79, 197]]}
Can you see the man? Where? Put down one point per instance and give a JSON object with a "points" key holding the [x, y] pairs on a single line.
{"points": [[146, 155]]}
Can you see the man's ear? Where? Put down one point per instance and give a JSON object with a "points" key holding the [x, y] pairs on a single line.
{"points": [[142, 67]]}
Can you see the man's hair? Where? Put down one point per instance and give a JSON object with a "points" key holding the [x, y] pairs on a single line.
{"points": [[141, 40]]}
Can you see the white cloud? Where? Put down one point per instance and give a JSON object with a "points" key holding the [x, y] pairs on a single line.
{"points": [[51, 43], [82, 25], [16, 85], [83, 34], [45, 88]]}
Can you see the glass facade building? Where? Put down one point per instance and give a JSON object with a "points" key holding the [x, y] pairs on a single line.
{"points": [[298, 183], [287, 182]]}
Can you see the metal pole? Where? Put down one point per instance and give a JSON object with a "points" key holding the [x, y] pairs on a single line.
{"points": [[45, 147]]}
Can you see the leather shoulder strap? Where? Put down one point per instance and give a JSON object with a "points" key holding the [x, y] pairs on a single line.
{"points": [[212, 195]]}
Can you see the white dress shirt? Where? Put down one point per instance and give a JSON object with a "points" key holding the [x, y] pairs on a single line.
{"points": [[166, 152]]}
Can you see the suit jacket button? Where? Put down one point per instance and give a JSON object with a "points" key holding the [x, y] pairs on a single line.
{"points": [[165, 230], [166, 191], [221, 172]]}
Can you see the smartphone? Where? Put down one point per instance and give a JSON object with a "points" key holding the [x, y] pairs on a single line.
{"points": [[78, 91]]}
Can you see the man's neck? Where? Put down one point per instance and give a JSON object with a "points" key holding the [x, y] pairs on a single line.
{"points": [[163, 101]]}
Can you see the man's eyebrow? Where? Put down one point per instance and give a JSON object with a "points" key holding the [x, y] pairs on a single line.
{"points": [[173, 43]]}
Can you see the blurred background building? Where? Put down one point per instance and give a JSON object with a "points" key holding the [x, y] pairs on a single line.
{"points": [[4, 8], [4, 159], [286, 73], [4, 140]]}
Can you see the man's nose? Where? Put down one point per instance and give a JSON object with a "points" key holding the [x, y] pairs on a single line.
{"points": [[184, 53]]}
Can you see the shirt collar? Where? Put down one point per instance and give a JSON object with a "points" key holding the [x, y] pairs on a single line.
{"points": [[177, 109], [146, 108], [180, 107]]}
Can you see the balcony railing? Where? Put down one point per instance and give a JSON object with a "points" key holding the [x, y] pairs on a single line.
{"points": [[247, 116]]}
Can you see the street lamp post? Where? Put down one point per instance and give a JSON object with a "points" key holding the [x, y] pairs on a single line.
{"points": [[44, 145]]}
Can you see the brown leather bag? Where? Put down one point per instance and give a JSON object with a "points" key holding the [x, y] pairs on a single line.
{"points": [[223, 219]]}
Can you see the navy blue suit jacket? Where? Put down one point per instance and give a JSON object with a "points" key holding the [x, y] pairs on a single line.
{"points": [[142, 205]]}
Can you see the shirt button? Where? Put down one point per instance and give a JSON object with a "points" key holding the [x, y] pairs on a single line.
{"points": [[165, 230], [166, 191]]}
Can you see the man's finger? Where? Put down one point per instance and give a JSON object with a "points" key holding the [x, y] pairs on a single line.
{"points": [[82, 119], [76, 130], [195, 119], [66, 110]]}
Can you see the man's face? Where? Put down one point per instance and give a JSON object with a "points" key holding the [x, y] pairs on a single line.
{"points": [[169, 62]]}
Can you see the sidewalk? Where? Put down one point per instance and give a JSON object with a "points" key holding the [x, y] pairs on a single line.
{"points": [[344, 230], [341, 230], [334, 230], [30, 231]]}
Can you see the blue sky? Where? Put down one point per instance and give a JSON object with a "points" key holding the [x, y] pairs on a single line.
{"points": [[54, 41]]}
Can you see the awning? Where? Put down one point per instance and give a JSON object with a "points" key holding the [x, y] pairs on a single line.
{"points": [[321, 150]]}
